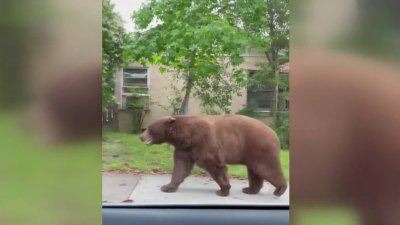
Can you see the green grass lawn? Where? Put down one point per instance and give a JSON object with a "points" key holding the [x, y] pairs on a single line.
{"points": [[126, 152]]}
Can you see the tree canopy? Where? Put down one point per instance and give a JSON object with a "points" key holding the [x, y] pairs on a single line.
{"points": [[266, 22], [114, 39], [198, 41]]}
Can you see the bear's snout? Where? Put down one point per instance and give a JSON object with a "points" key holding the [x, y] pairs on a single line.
{"points": [[141, 137], [146, 138]]}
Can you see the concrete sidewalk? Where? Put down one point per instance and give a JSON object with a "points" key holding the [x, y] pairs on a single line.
{"points": [[145, 189], [118, 187]]}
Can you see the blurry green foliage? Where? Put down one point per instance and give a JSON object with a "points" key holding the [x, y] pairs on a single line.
{"points": [[113, 44]]}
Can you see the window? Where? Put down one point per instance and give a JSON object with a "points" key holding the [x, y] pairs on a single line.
{"points": [[134, 85], [260, 98], [253, 51], [134, 77]]}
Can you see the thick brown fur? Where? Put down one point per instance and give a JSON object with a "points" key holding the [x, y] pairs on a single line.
{"points": [[212, 142]]}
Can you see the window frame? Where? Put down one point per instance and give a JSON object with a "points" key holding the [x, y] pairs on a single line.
{"points": [[270, 90], [124, 94], [138, 68]]}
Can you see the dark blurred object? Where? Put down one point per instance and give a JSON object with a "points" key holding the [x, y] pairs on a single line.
{"points": [[19, 31], [68, 108], [345, 135], [51, 67], [50, 71], [345, 115]]}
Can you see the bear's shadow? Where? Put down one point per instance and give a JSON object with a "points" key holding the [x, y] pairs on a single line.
{"points": [[196, 190]]}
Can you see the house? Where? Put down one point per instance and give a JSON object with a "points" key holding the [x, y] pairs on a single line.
{"points": [[149, 83]]}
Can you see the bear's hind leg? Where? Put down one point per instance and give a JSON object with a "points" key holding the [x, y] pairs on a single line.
{"points": [[255, 182], [273, 175]]}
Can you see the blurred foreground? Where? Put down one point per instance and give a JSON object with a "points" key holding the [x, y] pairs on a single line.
{"points": [[47, 185], [50, 112], [345, 113]]}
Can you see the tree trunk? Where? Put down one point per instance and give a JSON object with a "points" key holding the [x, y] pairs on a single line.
{"points": [[281, 103], [273, 59], [275, 96], [188, 88], [185, 102]]}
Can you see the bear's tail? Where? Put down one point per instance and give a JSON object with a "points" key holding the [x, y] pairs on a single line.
{"points": [[280, 190]]}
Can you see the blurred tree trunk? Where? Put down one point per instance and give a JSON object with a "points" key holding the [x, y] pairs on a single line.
{"points": [[188, 88], [275, 99]]}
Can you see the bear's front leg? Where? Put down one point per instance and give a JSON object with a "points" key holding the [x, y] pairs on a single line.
{"points": [[219, 174], [183, 164]]}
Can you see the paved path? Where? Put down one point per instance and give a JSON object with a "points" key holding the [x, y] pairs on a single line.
{"points": [[118, 187], [145, 189]]}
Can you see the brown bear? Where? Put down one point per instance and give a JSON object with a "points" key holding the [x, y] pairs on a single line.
{"points": [[212, 142]]}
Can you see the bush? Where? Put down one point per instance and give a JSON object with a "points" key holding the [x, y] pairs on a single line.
{"points": [[250, 110], [282, 129], [137, 104]]}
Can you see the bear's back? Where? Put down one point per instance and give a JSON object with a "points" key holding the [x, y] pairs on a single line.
{"points": [[241, 137]]}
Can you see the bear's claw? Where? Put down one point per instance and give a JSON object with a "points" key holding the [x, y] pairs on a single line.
{"points": [[222, 193], [168, 188], [249, 191]]}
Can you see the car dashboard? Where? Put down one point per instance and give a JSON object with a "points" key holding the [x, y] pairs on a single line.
{"points": [[131, 214]]}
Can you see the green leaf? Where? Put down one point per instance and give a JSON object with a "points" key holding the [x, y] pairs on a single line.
{"points": [[156, 59], [162, 70]]}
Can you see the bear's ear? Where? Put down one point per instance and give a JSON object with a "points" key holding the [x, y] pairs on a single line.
{"points": [[171, 119]]}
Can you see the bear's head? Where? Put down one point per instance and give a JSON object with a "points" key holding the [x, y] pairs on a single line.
{"points": [[157, 132]]}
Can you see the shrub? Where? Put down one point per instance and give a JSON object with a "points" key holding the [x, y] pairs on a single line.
{"points": [[250, 110], [282, 128], [137, 103]]}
